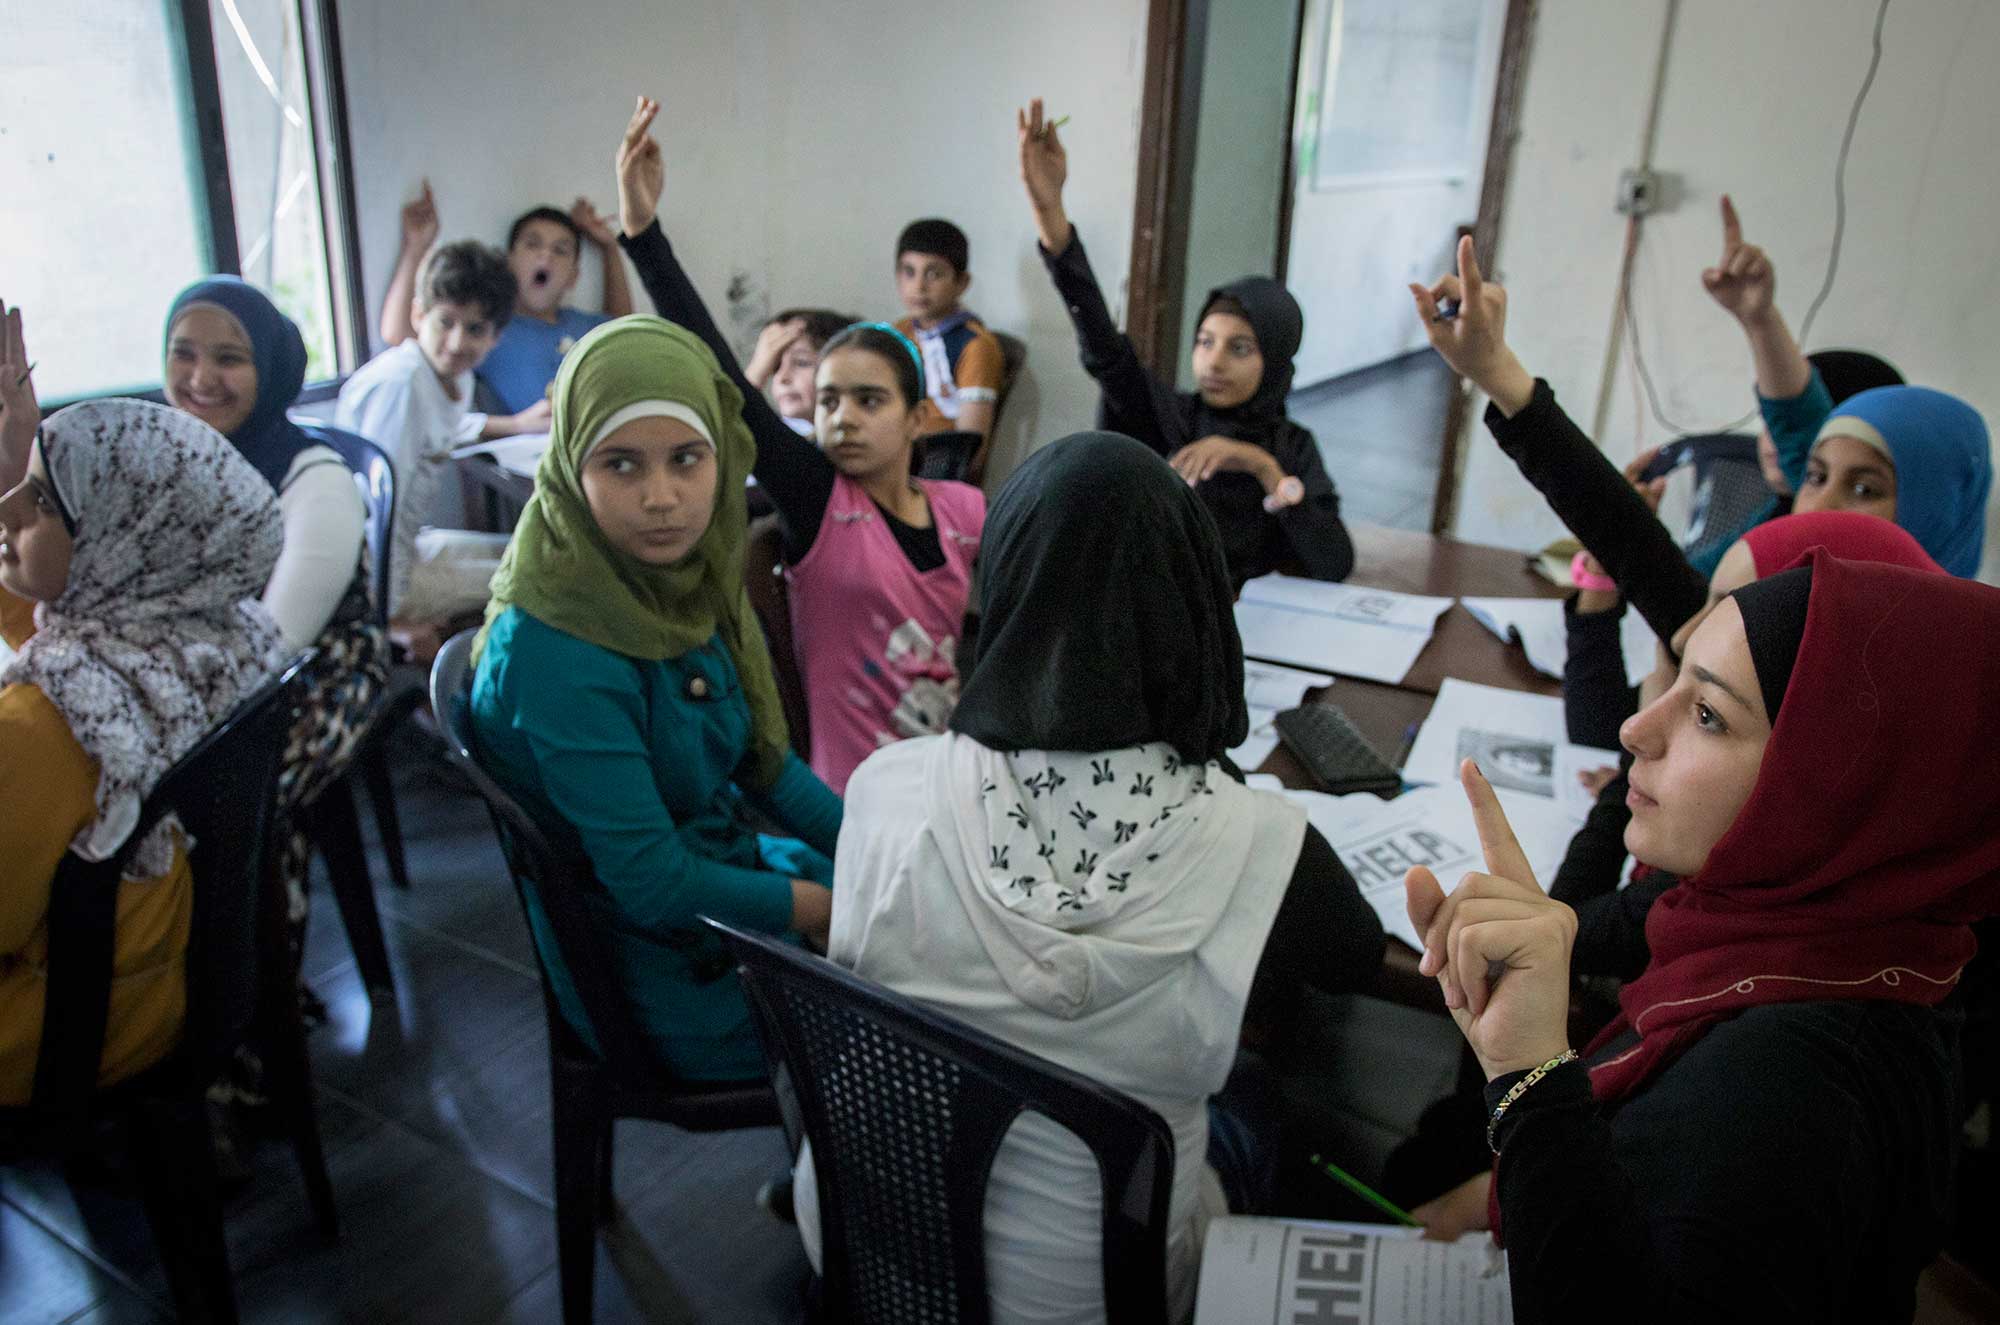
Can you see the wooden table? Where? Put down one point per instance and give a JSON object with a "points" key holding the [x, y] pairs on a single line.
{"points": [[1460, 647]]}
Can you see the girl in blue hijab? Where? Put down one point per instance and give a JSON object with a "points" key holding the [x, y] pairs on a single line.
{"points": [[1909, 454], [235, 362]]}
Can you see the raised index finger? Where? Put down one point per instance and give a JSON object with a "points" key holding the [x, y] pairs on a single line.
{"points": [[1497, 842], [1732, 228], [1468, 272]]}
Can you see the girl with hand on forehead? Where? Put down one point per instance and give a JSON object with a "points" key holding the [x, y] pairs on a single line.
{"points": [[624, 693], [1766, 1132]]}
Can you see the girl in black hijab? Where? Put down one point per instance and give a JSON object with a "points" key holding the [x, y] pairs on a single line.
{"points": [[1258, 472], [1075, 868]]}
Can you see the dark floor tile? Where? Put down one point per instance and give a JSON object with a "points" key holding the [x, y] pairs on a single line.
{"points": [[100, 1210], [44, 1280], [689, 1243], [424, 1237]]}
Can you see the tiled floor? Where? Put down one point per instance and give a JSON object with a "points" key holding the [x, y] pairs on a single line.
{"points": [[435, 1115], [1381, 436]]}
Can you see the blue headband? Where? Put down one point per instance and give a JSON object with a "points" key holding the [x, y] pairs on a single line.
{"points": [[916, 355]]}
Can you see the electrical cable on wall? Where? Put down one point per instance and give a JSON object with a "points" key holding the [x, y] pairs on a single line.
{"points": [[1832, 257]]}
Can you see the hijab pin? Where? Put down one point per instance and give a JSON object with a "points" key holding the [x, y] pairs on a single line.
{"points": [[697, 687]]}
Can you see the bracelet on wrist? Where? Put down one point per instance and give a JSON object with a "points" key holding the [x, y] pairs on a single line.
{"points": [[1519, 1089]]}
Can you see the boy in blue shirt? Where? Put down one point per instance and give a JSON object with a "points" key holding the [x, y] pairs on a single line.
{"points": [[544, 248]]}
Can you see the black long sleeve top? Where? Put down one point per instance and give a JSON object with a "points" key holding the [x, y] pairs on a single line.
{"points": [[1325, 933], [791, 468], [1591, 497], [1141, 406], [1793, 1165]]}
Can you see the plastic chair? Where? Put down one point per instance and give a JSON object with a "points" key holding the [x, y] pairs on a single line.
{"points": [[591, 1088], [905, 1108], [224, 791], [1729, 487]]}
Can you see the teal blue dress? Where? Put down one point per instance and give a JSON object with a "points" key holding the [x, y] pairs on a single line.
{"points": [[638, 758]]}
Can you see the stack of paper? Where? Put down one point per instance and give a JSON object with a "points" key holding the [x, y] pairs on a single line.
{"points": [[1375, 634], [1538, 624], [1269, 690], [1379, 841], [1289, 1270], [1517, 739]]}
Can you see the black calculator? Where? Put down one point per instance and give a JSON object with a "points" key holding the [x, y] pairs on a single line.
{"points": [[1335, 752]]}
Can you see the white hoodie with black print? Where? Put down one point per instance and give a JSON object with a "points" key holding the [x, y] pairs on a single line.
{"points": [[1106, 911]]}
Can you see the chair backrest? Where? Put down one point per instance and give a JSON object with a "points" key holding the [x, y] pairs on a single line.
{"points": [[557, 877], [906, 1108], [376, 477], [1729, 487], [764, 581], [224, 791]]}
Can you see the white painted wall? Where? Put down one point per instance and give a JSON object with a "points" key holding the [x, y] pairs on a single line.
{"points": [[1756, 98], [799, 139], [1356, 247]]}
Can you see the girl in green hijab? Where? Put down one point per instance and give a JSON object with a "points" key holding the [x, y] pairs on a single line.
{"points": [[625, 695]]}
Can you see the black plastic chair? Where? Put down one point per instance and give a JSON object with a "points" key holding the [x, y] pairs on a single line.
{"points": [[1729, 487], [590, 1090], [905, 1108], [224, 791], [376, 477]]}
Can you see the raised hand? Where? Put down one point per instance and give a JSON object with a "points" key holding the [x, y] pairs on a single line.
{"points": [[1743, 280], [420, 222], [1474, 341], [20, 414], [642, 171], [1497, 945], [593, 224], [1044, 169]]}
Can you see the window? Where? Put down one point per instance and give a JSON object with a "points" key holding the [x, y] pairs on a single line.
{"points": [[147, 143]]}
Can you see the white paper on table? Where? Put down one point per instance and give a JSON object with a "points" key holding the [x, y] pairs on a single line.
{"points": [[520, 454], [1380, 840], [1268, 690], [1289, 1270], [1538, 624], [1375, 634]]}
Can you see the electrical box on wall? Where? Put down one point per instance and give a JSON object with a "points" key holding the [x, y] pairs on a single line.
{"points": [[1643, 192]]}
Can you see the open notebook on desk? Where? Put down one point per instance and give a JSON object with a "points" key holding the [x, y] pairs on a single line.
{"points": [[1520, 741], [517, 455], [1544, 636], [1288, 1271], [1374, 634]]}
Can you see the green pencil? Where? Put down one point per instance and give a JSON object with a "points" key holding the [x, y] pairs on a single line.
{"points": [[1365, 1192], [1056, 125]]}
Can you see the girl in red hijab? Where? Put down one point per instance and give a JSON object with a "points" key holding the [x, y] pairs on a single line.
{"points": [[1766, 1132]]}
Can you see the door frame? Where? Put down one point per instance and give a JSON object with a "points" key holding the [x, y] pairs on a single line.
{"points": [[1170, 108]]}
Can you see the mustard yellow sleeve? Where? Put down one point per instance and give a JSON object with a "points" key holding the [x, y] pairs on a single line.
{"points": [[48, 789], [17, 619]]}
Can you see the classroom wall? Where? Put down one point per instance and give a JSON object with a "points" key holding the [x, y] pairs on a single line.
{"points": [[1756, 97], [799, 140], [1239, 162]]}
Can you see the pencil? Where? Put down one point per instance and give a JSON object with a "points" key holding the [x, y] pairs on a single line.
{"points": [[1365, 1192], [1057, 124], [30, 373]]}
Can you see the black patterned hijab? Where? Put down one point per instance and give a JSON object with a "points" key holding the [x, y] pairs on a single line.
{"points": [[1105, 610]]}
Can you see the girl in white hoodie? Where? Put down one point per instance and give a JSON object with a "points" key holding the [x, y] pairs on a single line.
{"points": [[1072, 869]]}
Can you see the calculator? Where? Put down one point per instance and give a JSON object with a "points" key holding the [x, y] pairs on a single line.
{"points": [[1335, 752]]}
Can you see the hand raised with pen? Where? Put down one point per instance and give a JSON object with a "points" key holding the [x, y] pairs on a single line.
{"points": [[1497, 945], [1474, 340], [1743, 280], [642, 171], [1044, 170]]}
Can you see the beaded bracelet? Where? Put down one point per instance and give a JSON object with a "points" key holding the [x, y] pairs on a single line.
{"points": [[1519, 1089]]}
